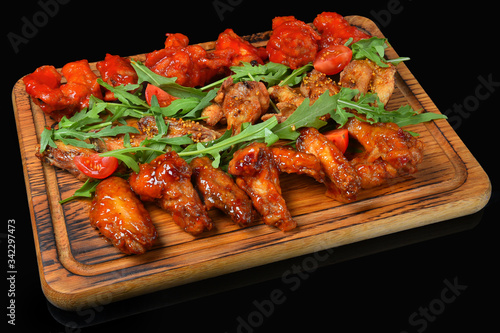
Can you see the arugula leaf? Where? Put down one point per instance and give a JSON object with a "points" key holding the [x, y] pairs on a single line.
{"points": [[76, 130], [365, 105], [85, 191], [125, 155], [214, 148], [121, 92], [339, 106], [296, 76], [168, 84], [203, 103], [46, 139], [272, 73], [373, 48], [305, 116]]}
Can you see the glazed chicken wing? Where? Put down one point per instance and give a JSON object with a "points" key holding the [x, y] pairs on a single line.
{"points": [[257, 174], [292, 161], [335, 30], [220, 191], [115, 71], [188, 63], [292, 43], [234, 50], [343, 182], [167, 181], [389, 151], [121, 217], [59, 100]]}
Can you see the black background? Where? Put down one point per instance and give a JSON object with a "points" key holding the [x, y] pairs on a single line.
{"points": [[375, 285]]}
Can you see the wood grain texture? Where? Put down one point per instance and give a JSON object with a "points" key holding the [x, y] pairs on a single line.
{"points": [[79, 269]]}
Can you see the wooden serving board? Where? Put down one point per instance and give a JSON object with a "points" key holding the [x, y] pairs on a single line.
{"points": [[78, 268]]}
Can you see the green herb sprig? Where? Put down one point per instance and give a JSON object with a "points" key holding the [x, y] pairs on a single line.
{"points": [[374, 49]]}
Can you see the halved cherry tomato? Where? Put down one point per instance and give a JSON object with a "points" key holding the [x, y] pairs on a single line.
{"points": [[163, 97], [96, 166], [333, 59], [339, 137]]}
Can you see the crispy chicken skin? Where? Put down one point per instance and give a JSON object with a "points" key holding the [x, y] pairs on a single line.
{"points": [[257, 174], [389, 151], [167, 181], [239, 103], [366, 76], [121, 217], [343, 182], [219, 190]]}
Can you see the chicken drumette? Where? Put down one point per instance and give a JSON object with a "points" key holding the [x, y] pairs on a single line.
{"points": [[238, 103], [220, 191], [257, 174], [389, 151], [167, 181], [343, 182]]}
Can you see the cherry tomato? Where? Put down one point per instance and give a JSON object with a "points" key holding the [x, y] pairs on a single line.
{"points": [[333, 59], [339, 137], [163, 97], [96, 166]]}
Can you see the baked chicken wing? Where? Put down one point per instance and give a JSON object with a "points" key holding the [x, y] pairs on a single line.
{"points": [[366, 76], [121, 217], [220, 191], [239, 103], [257, 174], [389, 151], [292, 161], [343, 182], [167, 181], [63, 157]]}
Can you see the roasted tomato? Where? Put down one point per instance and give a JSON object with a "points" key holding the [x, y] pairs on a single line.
{"points": [[333, 59], [96, 166]]}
